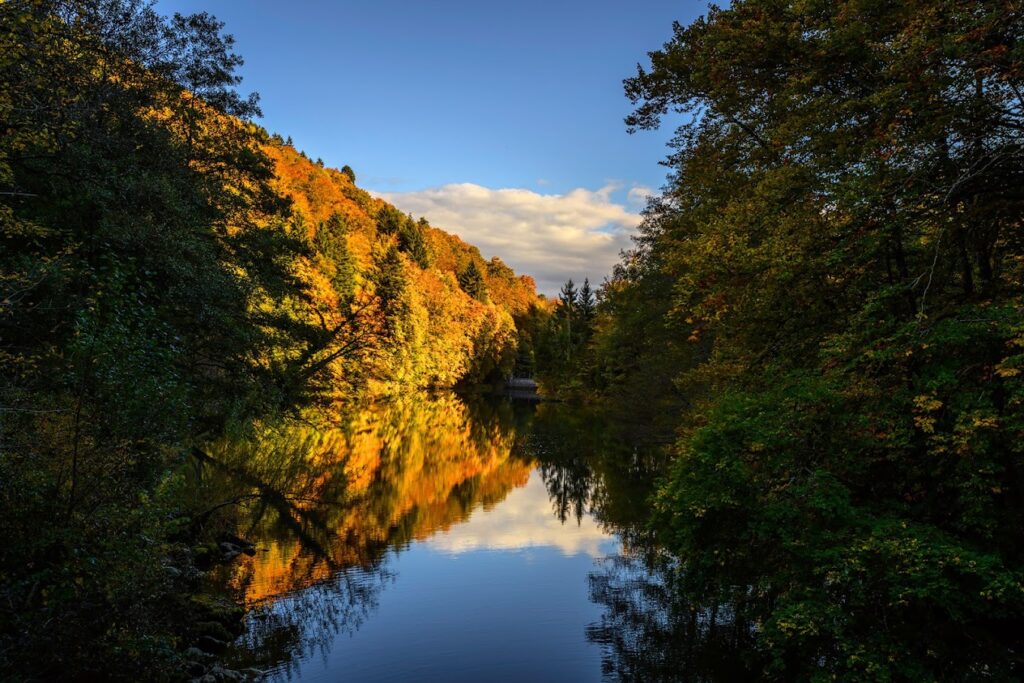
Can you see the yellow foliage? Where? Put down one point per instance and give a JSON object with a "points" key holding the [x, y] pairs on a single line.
{"points": [[924, 406], [448, 336], [386, 475]]}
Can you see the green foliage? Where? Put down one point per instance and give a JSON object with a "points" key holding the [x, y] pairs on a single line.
{"points": [[471, 280], [390, 220], [638, 350], [585, 308], [347, 170], [332, 243], [412, 241], [859, 553], [830, 289], [391, 287], [567, 298], [577, 347], [140, 246]]}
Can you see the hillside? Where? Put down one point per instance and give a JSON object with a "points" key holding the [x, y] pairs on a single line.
{"points": [[441, 313], [170, 272]]}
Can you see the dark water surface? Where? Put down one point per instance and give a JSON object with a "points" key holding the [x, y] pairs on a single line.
{"points": [[440, 539]]}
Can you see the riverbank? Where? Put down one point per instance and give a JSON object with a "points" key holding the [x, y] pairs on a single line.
{"points": [[205, 623], [456, 525]]}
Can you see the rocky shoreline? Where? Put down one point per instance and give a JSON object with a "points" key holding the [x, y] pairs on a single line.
{"points": [[210, 622]]}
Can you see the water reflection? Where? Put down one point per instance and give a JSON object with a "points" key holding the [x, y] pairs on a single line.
{"points": [[457, 539], [338, 493], [648, 633], [607, 466], [524, 520]]}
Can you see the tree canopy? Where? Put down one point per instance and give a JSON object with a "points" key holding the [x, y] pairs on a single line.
{"points": [[832, 282], [167, 270]]}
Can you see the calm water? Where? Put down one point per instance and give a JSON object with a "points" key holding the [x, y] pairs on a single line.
{"points": [[442, 540]]}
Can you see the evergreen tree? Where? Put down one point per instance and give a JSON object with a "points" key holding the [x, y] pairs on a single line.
{"points": [[391, 285], [331, 241], [567, 316], [585, 308], [390, 220], [413, 242], [472, 281], [567, 298]]}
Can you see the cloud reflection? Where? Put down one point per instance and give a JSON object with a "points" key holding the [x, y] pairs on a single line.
{"points": [[525, 520]]}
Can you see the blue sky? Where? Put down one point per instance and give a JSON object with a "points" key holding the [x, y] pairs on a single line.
{"points": [[419, 96]]}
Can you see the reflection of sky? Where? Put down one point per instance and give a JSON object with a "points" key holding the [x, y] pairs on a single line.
{"points": [[525, 519], [502, 597]]}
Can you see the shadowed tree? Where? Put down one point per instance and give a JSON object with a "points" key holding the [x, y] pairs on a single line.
{"points": [[472, 281]]}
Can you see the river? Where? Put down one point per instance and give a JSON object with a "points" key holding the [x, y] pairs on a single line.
{"points": [[443, 539]]}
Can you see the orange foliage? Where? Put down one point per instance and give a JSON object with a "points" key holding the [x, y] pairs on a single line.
{"points": [[448, 335], [385, 476]]}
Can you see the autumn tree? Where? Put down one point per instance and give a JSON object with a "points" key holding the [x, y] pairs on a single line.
{"points": [[142, 252]]}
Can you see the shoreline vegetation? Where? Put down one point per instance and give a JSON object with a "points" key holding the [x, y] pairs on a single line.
{"points": [[823, 307], [171, 272], [826, 298]]}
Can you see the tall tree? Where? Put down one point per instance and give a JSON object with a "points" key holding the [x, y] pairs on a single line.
{"points": [[839, 241], [390, 220], [412, 241], [585, 307], [472, 281], [392, 283], [331, 241], [141, 248], [567, 316]]}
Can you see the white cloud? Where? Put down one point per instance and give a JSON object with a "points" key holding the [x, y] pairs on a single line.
{"points": [[638, 195], [552, 237]]}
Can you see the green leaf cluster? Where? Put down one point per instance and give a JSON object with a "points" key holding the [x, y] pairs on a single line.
{"points": [[830, 290]]}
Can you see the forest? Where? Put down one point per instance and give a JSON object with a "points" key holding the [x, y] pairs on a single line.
{"points": [[826, 298], [168, 269], [823, 307]]}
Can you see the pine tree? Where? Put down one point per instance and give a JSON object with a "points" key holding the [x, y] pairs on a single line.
{"points": [[472, 281], [391, 283], [585, 307], [331, 241], [412, 241], [567, 301]]}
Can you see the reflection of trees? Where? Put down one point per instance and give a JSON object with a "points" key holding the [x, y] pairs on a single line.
{"points": [[325, 501], [648, 632], [331, 499], [597, 464], [594, 463], [281, 633]]}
